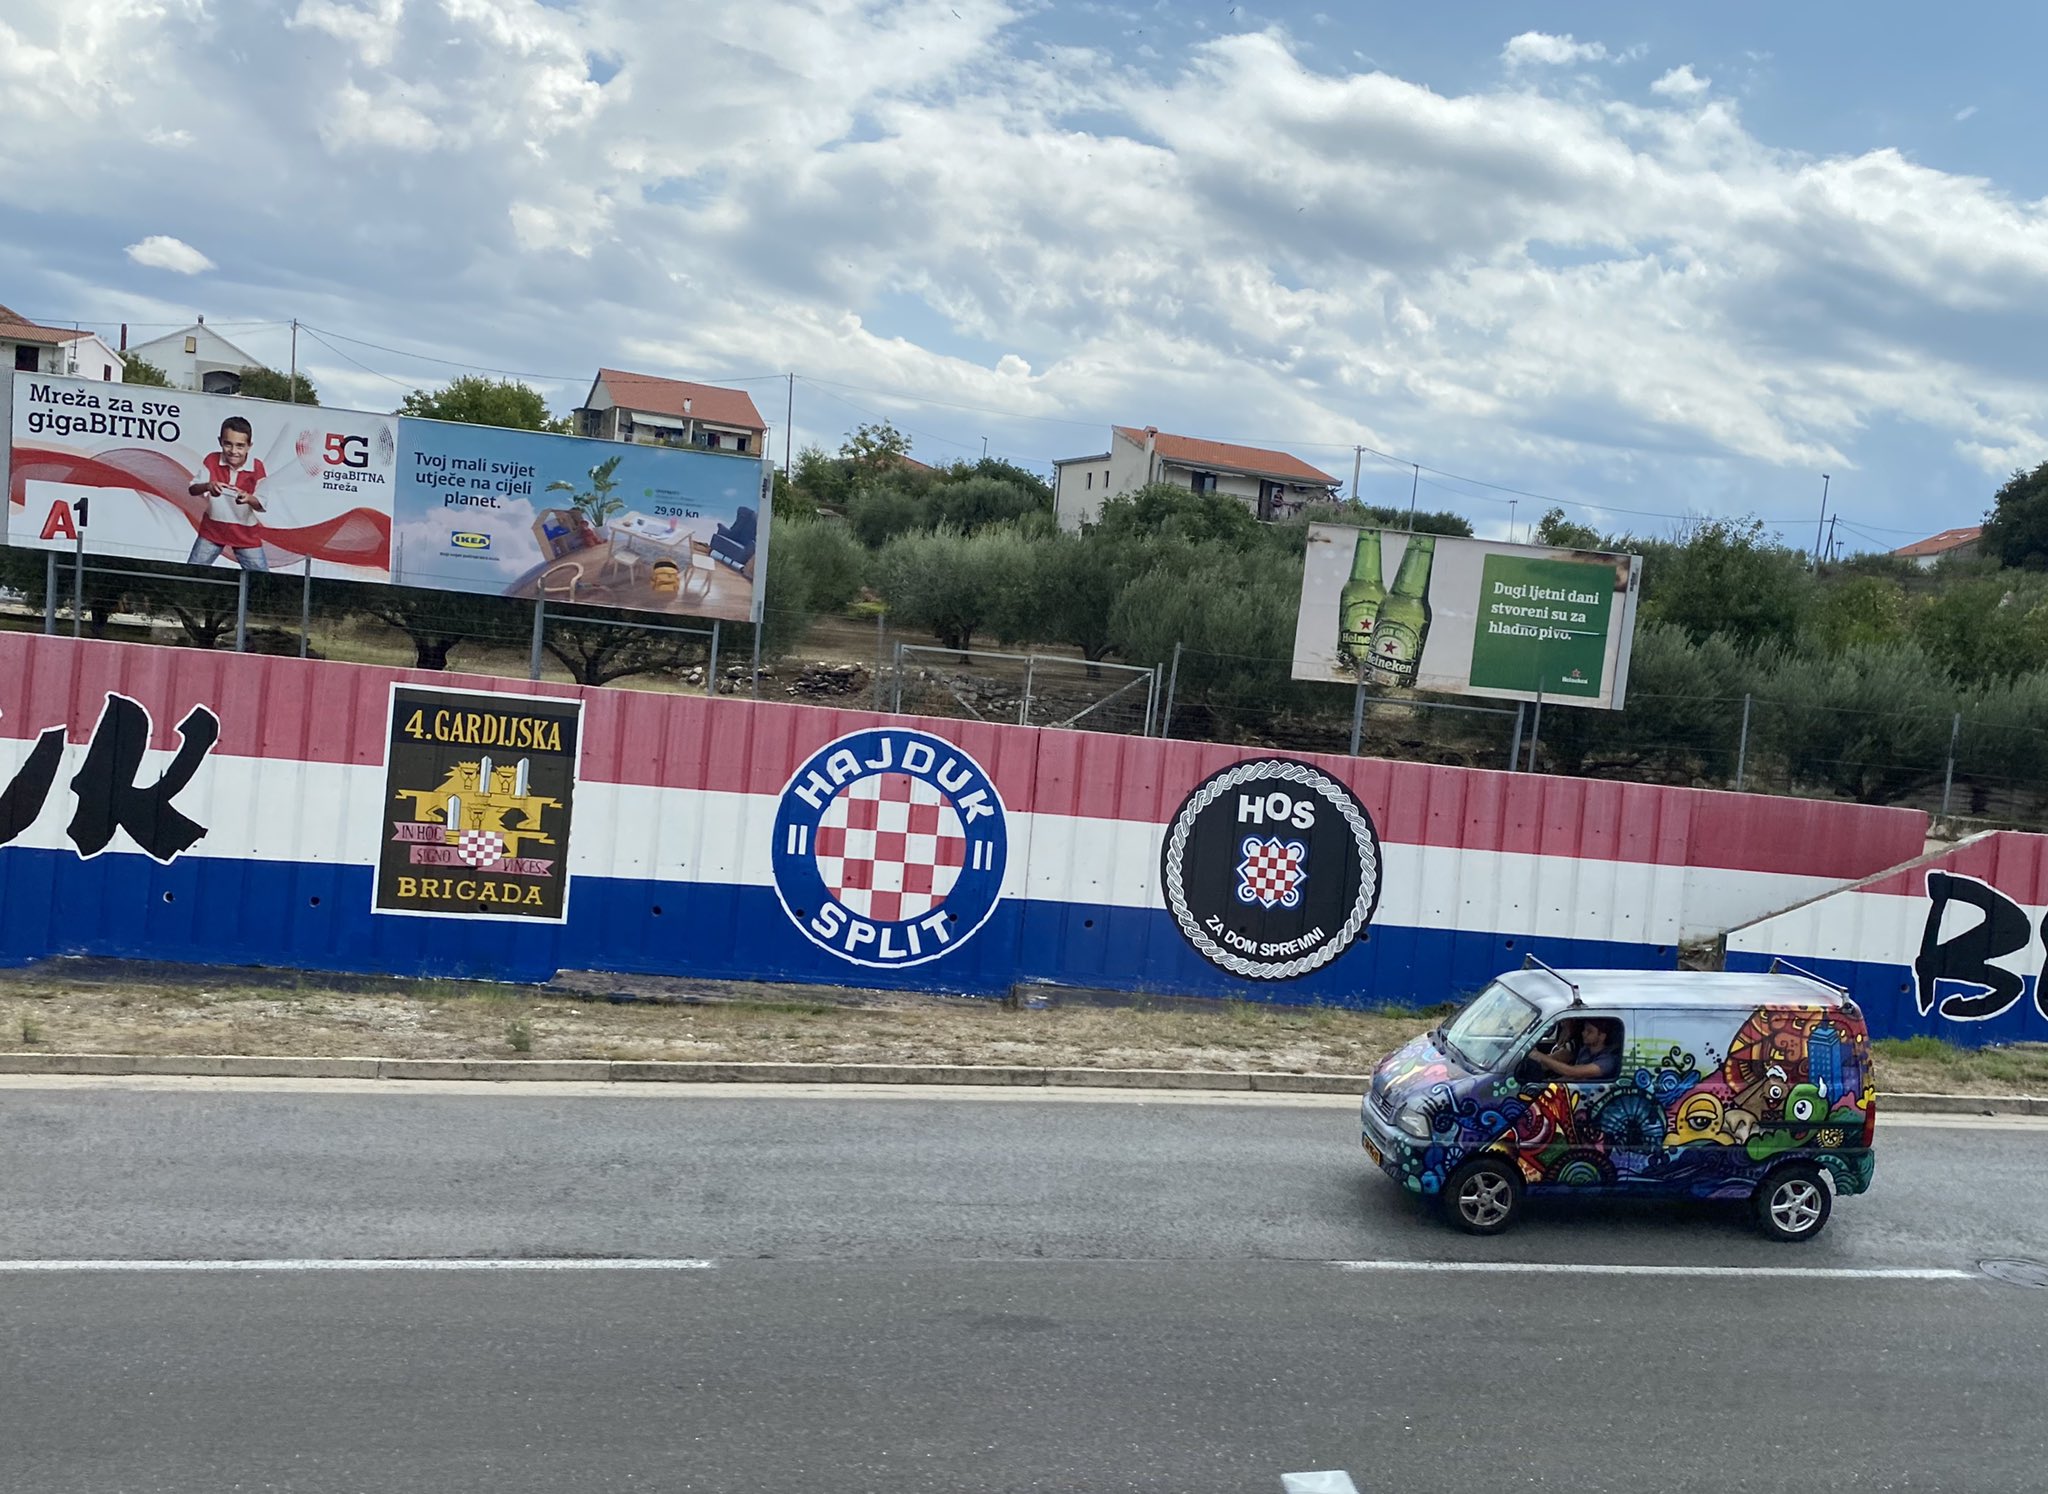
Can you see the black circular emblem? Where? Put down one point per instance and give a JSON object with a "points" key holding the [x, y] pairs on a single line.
{"points": [[1271, 868]]}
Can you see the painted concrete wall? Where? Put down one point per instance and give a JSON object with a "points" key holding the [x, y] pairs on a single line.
{"points": [[304, 822], [1950, 945]]}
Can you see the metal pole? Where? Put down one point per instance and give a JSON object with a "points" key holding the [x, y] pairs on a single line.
{"points": [[1357, 715], [1024, 707], [1172, 684], [241, 611], [1535, 728], [896, 705], [78, 586], [293, 386], [1511, 519], [1152, 700], [1824, 480], [1413, 483], [881, 656], [1515, 751], [711, 674], [788, 421], [540, 624], [1742, 750], [1948, 779], [757, 661], [50, 593], [306, 611], [1357, 461]]}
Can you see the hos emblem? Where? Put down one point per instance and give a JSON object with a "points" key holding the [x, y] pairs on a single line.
{"points": [[1271, 869], [890, 847]]}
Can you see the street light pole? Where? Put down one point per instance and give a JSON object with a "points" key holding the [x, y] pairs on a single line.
{"points": [[1511, 520], [1824, 480]]}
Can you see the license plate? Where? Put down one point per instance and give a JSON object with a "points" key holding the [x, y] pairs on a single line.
{"points": [[1374, 1153]]}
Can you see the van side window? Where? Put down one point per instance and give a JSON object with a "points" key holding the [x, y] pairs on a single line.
{"points": [[1578, 1050]]}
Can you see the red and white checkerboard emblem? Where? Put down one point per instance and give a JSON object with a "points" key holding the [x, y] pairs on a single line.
{"points": [[1272, 872], [890, 847], [480, 848]]}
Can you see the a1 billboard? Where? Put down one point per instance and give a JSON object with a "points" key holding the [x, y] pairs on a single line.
{"points": [[1466, 617], [201, 479], [522, 514], [127, 471]]}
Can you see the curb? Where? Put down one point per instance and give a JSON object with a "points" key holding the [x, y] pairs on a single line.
{"points": [[622, 1071]]}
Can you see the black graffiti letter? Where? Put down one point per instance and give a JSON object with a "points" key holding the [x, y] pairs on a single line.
{"points": [[1967, 957], [108, 798], [23, 799]]}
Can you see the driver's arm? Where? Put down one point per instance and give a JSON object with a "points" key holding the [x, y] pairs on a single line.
{"points": [[1578, 1072]]}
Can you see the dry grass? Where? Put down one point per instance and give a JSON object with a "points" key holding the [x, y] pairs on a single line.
{"points": [[121, 1010]]}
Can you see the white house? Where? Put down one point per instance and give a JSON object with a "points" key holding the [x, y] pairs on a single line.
{"points": [[1272, 484], [198, 358], [28, 348], [653, 411], [1958, 542]]}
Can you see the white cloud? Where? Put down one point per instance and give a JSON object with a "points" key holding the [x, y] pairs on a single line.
{"points": [[1540, 49], [1965, 113], [162, 252], [1681, 83]]}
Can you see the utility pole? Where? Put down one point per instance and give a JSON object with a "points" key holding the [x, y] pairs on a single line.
{"points": [[1413, 483], [1511, 519], [293, 384], [984, 448], [1829, 550], [1824, 481], [1357, 461], [788, 420]]}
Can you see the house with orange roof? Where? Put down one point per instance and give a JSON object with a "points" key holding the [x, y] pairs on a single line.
{"points": [[1960, 543], [648, 410], [1272, 484], [28, 347]]}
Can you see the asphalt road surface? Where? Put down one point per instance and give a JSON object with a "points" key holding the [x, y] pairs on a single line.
{"points": [[797, 1291]]}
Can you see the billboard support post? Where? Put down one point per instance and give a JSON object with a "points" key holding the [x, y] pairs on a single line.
{"points": [[540, 624], [1515, 750], [306, 611], [1172, 684], [1358, 715], [711, 672], [757, 660], [50, 593], [241, 610]]}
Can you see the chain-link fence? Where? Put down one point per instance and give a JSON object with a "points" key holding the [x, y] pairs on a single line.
{"points": [[1982, 766]]}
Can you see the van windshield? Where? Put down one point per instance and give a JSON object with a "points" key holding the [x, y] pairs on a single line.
{"points": [[1482, 1034]]}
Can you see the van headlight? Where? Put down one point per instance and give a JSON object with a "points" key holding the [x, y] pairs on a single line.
{"points": [[1414, 1121]]}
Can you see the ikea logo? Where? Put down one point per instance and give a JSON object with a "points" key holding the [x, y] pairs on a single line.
{"points": [[469, 540]]}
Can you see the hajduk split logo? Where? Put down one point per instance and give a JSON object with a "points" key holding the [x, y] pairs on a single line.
{"points": [[890, 847], [1271, 869]]}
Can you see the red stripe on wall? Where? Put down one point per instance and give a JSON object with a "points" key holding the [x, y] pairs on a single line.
{"points": [[2010, 860]]}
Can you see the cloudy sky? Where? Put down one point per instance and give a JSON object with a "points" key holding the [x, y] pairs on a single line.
{"points": [[1641, 263]]}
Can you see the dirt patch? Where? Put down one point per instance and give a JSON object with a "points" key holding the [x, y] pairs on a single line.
{"points": [[77, 1006]]}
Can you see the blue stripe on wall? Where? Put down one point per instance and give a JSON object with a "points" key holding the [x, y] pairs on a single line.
{"points": [[317, 917]]}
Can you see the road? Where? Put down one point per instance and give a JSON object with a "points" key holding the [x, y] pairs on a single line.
{"points": [[902, 1292]]}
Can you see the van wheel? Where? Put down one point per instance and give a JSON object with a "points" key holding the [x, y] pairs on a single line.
{"points": [[1793, 1204], [1484, 1195]]}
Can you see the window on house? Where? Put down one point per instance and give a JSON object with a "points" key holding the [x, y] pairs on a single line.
{"points": [[27, 360], [1203, 482], [106, 373], [711, 440], [740, 444], [191, 344], [1091, 483]]}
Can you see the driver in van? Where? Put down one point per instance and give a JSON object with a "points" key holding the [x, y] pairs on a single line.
{"points": [[1596, 1060]]}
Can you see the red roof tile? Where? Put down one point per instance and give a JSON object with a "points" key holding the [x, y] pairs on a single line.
{"points": [[1187, 451], [659, 396], [1942, 543], [14, 327]]}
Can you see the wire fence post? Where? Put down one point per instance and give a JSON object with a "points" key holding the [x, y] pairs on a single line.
{"points": [[1515, 750], [50, 593], [540, 623], [881, 655], [306, 612], [1357, 715], [1152, 700], [1172, 684], [1024, 706], [1535, 728], [757, 658], [896, 704], [241, 611], [711, 672], [1948, 779], [1742, 746]]}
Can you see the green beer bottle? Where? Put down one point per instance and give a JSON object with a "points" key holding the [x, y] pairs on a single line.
{"points": [[1358, 604], [1403, 624]]}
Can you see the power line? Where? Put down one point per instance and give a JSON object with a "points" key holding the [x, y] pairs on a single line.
{"points": [[373, 373], [513, 373]]}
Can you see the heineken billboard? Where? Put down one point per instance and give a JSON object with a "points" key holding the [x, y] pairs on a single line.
{"points": [[1466, 617]]}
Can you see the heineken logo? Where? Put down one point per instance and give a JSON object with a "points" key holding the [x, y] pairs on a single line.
{"points": [[1271, 869]]}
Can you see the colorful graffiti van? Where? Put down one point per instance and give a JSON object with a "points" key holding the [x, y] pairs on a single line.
{"points": [[1688, 1083]]}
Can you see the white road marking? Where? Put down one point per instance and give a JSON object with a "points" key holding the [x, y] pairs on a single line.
{"points": [[369, 1263], [1575, 1268], [1333, 1481]]}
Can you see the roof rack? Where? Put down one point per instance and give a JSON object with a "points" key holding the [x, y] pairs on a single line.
{"points": [[1819, 980], [1530, 962]]}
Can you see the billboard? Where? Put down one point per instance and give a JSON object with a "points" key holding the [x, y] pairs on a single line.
{"points": [[203, 479], [1466, 617], [522, 514], [126, 471]]}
